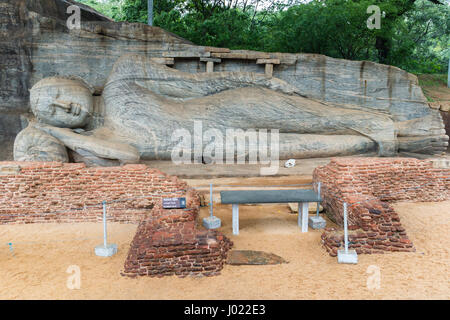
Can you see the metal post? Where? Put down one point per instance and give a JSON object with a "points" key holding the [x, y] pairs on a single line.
{"points": [[104, 224], [318, 203], [105, 249], [235, 209], [211, 199], [345, 228], [150, 12]]}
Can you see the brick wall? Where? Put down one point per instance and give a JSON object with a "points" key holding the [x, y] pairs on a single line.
{"points": [[56, 192], [167, 242], [368, 185]]}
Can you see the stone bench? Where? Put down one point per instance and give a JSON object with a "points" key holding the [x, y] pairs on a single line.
{"points": [[302, 196]]}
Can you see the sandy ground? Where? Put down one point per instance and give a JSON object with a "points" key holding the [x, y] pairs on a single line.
{"points": [[42, 253]]}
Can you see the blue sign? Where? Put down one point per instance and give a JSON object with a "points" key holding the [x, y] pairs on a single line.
{"points": [[174, 203]]}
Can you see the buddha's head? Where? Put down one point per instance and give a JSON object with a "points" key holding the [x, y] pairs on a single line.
{"points": [[62, 102]]}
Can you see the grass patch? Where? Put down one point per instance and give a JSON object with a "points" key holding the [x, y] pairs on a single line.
{"points": [[428, 81], [432, 80]]}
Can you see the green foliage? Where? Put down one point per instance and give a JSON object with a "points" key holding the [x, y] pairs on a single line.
{"points": [[336, 28], [414, 34], [111, 8]]}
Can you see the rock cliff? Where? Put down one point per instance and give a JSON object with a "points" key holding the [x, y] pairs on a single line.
{"points": [[36, 43]]}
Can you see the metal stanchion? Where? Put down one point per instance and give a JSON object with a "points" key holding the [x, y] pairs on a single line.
{"points": [[105, 250], [317, 222], [211, 222], [318, 203], [346, 255]]}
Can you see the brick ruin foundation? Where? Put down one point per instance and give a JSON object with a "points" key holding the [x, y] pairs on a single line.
{"points": [[369, 185], [167, 242]]}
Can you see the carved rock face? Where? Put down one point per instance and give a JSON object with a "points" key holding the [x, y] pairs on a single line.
{"points": [[62, 102]]}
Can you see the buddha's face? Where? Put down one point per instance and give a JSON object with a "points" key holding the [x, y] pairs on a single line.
{"points": [[61, 102]]}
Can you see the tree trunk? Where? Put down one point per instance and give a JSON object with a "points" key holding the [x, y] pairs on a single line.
{"points": [[383, 47]]}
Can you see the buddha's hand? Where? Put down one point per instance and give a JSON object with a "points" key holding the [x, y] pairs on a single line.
{"points": [[69, 107]]}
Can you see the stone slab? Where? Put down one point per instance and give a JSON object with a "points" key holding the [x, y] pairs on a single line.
{"points": [[317, 222], [250, 257], [241, 55], [166, 61], [186, 54], [268, 196], [212, 222], [216, 49], [271, 61], [216, 60], [351, 257], [108, 251]]}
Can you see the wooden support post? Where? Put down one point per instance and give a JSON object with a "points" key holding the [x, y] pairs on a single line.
{"points": [[235, 219]]}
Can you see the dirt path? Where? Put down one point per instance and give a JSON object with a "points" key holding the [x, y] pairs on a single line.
{"points": [[43, 253]]}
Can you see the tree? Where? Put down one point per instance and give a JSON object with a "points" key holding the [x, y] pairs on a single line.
{"points": [[414, 34], [394, 11]]}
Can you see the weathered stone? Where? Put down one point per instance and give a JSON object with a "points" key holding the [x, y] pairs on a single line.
{"points": [[268, 70], [316, 223], [212, 222], [186, 54], [31, 27], [434, 105], [83, 156], [265, 61], [250, 257], [166, 61], [216, 49], [209, 66], [246, 55], [9, 169], [445, 107], [216, 60]]}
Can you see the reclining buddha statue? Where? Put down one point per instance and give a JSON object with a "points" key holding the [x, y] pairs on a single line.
{"points": [[144, 102]]}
